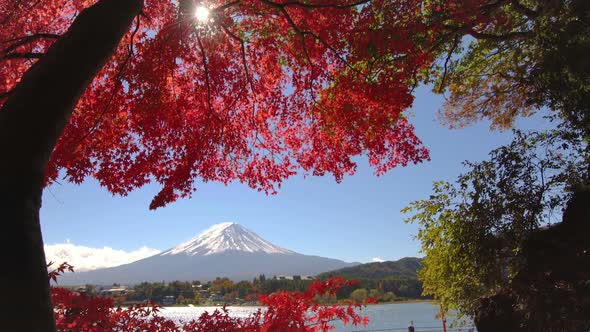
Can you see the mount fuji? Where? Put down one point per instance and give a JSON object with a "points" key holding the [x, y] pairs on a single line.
{"points": [[224, 250]]}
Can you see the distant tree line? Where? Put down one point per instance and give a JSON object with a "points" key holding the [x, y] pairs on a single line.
{"points": [[220, 289], [384, 289], [224, 290]]}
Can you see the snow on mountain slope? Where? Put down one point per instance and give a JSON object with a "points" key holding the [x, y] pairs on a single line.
{"points": [[224, 250], [226, 237]]}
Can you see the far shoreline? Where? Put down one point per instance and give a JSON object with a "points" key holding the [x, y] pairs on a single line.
{"points": [[406, 301]]}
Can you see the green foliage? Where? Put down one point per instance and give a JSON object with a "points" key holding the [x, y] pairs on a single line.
{"points": [[359, 295], [244, 288], [273, 285], [405, 267], [388, 297], [534, 55], [400, 278], [473, 232], [158, 290], [197, 298], [561, 76], [326, 299], [229, 291], [450, 272], [221, 286]]}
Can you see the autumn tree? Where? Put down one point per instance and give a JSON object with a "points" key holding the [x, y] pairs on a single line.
{"points": [[222, 286], [137, 91], [496, 231], [532, 56]]}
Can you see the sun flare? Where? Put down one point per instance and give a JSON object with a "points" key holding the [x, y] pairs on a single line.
{"points": [[202, 14]]}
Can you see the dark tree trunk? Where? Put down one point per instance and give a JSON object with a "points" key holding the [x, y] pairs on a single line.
{"points": [[31, 121]]}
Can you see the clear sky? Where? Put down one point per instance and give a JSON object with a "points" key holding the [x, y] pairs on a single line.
{"points": [[356, 220]]}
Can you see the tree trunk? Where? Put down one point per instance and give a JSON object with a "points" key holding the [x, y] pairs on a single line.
{"points": [[31, 122]]}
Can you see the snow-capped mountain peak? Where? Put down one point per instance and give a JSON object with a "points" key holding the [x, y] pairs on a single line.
{"points": [[224, 250], [227, 236]]}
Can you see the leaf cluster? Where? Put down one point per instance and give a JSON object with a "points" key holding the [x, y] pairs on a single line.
{"points": [[533, 54], [472, 232]]}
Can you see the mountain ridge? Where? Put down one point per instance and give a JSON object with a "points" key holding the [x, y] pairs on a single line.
{"points": [[406, 267], [224, 250]]}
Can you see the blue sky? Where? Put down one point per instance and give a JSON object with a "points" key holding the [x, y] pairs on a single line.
{"points": [[356, 220]]}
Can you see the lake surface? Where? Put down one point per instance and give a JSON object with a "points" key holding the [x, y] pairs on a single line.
{"points": [[382, 318]]}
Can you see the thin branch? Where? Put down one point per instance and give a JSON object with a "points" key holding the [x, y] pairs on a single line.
{"points": [[309, 5], [6, 94], [19, 41], [248, 76], [206, 73], [490, 7], [233, 103], [499, 37], [227, 5], [243, 50], [449, 55], [23, 55], [519, 7], [281, 8], [54, 196]]}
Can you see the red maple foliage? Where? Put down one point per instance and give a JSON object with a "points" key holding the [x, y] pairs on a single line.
{"points": [[285, 312], [254, 93], [260, 90]]}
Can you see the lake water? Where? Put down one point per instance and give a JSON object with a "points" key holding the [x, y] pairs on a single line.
{"points": [[382, 318]]}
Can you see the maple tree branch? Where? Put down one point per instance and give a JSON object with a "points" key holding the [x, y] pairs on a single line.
{"points": [[243, 51], [291, 22], [449, 55], [233, 103], [512, 35], [19, 41], [521, 8], [311, 66], [248, 77], [206, 73], [309, 5], [227, 5], [487, 9], [490, 7], [5, 94], [499, 37], [23, 55]]}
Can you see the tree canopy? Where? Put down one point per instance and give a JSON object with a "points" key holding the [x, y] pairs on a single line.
{"points": [[255, 90], [137, 91], [476, 232], [534, 56]]}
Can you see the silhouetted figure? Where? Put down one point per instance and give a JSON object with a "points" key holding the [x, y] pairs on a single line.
{"points": [[411, 327]]}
